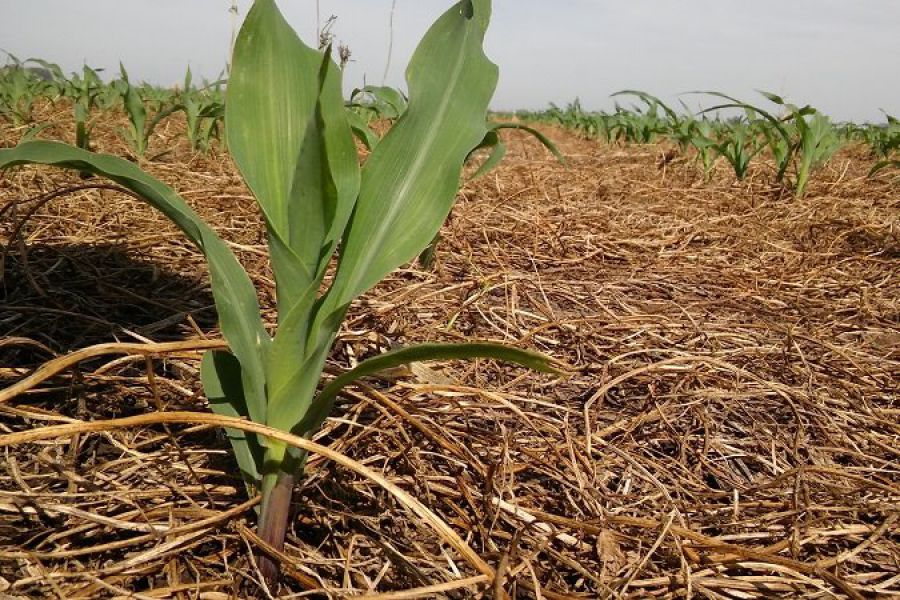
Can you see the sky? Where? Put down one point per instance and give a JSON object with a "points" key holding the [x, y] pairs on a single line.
{"points": [[842, 56]]}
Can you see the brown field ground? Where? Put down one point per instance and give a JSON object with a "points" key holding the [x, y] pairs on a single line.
{"points": [[729, 430]]}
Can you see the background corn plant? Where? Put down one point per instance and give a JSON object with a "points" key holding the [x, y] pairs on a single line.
{"points": [[289, 134], [884, 142], [204, 111], [703, 141], [139, 102], [20, 86], [738, 145], [803, 138], [378, 102], [799, 140], [84, 92]]}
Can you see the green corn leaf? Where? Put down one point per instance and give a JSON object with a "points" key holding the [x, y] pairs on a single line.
{"points": [[34, 131], [882, 165], [361, 130], [158, 118], [497, 149], [651, 101], [327, 178], [270, 99], [409, 184], [386, 102], [391, 96], [410, 180], [288, 131], [232, 289], [222, 383], [537, 134], [818, 143], [424, 352], [289, 135], [137, 114], [774, 98]]}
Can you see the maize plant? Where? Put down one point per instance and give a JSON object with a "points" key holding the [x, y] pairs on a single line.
{"points": [[884, 140], [156, 98], [203, 109], [803, 138], [602, 126], [738, 145], [379, 102], [84, 92], [139, 130], [703, 140], [289, 135], [818, 143], [643, 126], [816, 139], [570, 117], [649, 124], [683, 131], [19, 88], [777, 132], [55, 82], [112, 95]]}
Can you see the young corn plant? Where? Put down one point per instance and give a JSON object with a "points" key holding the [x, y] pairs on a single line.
{"points": [[603, 126], [703, 140], [84, 91], [818, 142], [644, 126], [290, 138], [203, 111], [570, 117], [884, 164], [815, 143], [803, 138], [738, 145], [373, 103], [776, 132], [112, 95], [19, 89], [380, 102], [140, 129], [54, 80], [678, 128], [884, 140], [156, 98]]}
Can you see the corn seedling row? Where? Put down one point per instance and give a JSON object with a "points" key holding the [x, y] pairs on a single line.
{"points": [[799, 141]]}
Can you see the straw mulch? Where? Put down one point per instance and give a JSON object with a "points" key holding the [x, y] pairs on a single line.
{"points": [[730, 428]]}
